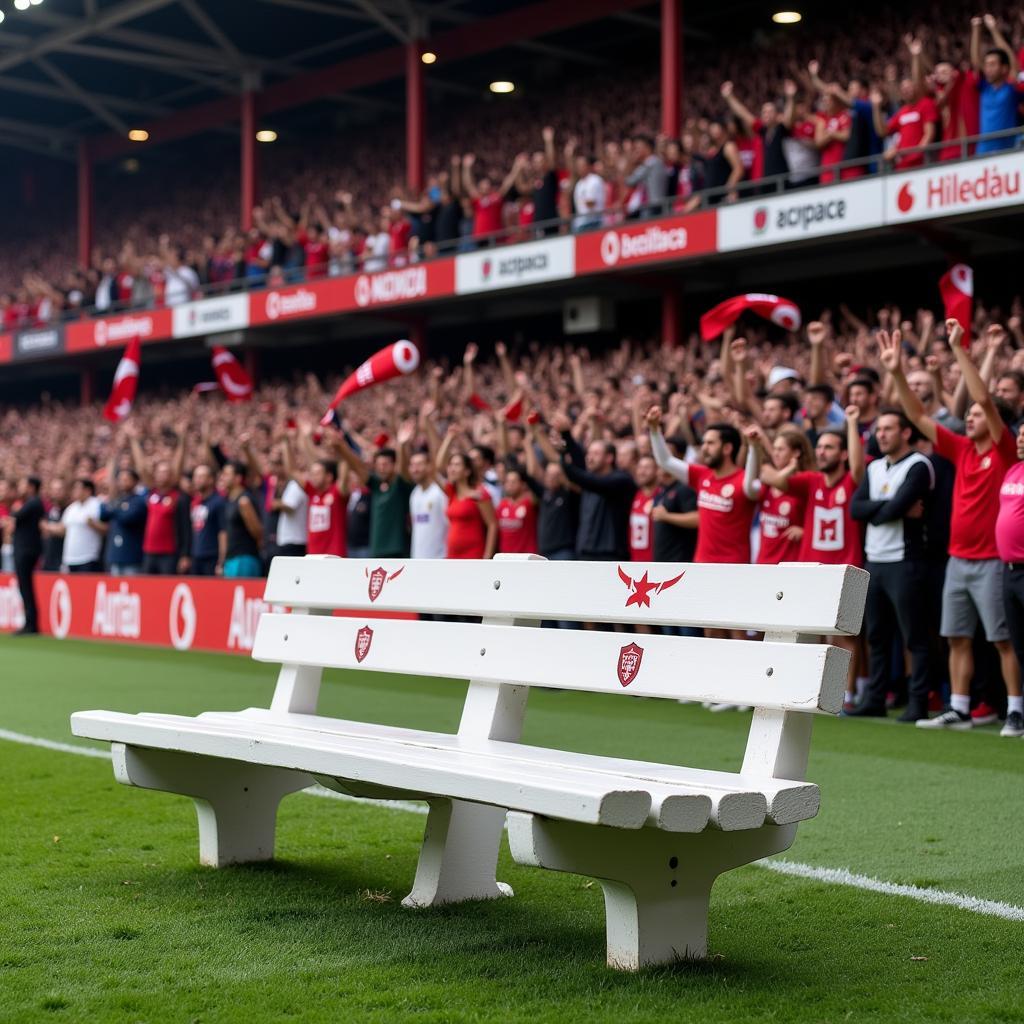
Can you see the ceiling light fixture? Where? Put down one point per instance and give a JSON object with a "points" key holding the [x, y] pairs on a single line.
{"points": [[502, 87], [138, 135], [22, 5], [787, 17], [266, 135], [428, 57]]}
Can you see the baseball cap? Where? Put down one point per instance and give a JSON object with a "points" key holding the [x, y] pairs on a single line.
{"points": [[781, 373]]}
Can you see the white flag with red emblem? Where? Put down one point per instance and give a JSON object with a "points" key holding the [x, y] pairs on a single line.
{"points": [[957, 288], [783, 312], [397, 360], [126, 383], [231, 376]]}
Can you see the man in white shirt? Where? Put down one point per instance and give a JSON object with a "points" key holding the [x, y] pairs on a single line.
{"points": [[81, 528], [181, 282], [588, 195], [378, 247], [292, 525], [427, 507]]}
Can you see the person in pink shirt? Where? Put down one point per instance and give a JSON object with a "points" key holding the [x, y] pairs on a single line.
{"points": [[1010, 542]]}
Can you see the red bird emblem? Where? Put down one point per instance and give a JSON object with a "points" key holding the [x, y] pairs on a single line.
{"points": [[378, 578], [642, 588]]}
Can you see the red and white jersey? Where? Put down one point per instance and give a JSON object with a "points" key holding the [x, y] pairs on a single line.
{"points": [[517, 526], [641, 529], [327, 521], [779, 512], [725, 516], [831, 534]]}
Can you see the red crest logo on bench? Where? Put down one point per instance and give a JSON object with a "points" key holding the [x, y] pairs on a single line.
{"points": [[630, 657], [378, 578], [363, 640]]}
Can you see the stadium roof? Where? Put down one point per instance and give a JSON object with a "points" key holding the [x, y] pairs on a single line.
{"points": [[74, 69]]}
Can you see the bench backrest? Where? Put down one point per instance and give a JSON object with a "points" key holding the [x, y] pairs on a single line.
{"points": [[507, 652]]}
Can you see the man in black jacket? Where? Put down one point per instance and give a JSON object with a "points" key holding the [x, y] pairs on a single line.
{"points": [[603, 534], [28, 546]]}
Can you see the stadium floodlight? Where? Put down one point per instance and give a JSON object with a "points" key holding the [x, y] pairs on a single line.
{"points": [[36, 3], [502, 87], [22, 5], [1, 17], [428, 57], [138, 135], [266, 135], [786, 17]]}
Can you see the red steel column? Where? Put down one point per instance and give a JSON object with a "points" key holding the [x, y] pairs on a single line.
{"points": [[86, 386], [250, 164], [671, 316], [251, 361], [415, 115], [671, 66], [85, 204]]}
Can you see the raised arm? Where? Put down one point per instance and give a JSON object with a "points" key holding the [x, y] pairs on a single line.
{"points": [[877, 99], [976, 24], [992, 24], [349, 457], [816, 333], [755, 457], [510, 179], [139, 460], [854, 445], [740, 109], [789, 107], [659, 448], [468, 182], [976, 387], [891, 356], [507, 373]]}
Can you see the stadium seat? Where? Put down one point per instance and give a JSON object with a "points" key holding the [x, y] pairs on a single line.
{"points": [[655, 835]]}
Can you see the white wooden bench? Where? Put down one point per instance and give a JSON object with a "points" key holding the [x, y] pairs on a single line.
{"points": [[655, 835]]}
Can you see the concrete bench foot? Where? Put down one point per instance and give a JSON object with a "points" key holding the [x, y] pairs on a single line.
{"points": [[459, 856], [657, 885], [236, 803]]}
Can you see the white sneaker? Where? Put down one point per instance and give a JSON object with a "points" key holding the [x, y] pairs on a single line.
{"points": [[1014, 725], [949, 719]]}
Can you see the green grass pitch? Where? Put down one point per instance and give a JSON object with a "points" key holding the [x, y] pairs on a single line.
{"points": [[105, 914]]}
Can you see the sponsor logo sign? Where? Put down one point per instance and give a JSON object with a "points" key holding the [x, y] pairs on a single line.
{"points": [[405, 285], [117, 331], [640, 590], [811, 213], [211, 316], [202, 614], [945, 190], [630, 658], [36, 342], [643, 242], [512, 266]]}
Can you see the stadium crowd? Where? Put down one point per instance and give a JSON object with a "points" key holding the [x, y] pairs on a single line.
{"points": [[857, 106], [881, 442]]}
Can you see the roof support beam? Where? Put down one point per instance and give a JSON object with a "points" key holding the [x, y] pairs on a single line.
{"points": [[80, 96], [30, 87], [213, 30]]}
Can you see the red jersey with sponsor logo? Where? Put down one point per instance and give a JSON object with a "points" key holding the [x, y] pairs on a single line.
{"points": [[487, 214], [972, 532], [832, 153], [778, 513], [517, 526], [161, 535], [831, 534], [641, 530], [909, 121], [327, 520], [725, 516]]}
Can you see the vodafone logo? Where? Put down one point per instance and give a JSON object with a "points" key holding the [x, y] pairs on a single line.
{"points": [[786, 316], [182, 617], [905, 198], [122, 329], [760, 219], [60, 610], [975, 186], [610, 248], [362, 290], [407, 356], [280, 304]]}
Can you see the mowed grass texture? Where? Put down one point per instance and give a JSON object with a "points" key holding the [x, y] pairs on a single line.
{"points": [[105, 914]]}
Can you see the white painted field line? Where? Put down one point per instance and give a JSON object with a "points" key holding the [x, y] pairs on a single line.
{"points": [[829, 876]]}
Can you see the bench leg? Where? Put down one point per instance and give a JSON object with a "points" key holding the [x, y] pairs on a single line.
{"points": [[236, 803], [459, 857], [656, 884]]}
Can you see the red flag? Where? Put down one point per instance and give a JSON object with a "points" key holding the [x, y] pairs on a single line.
{"points": [[231, 376], [514, 410], [957, 288], [783, 312], [396, 360], [126, 383], [478, 403]]}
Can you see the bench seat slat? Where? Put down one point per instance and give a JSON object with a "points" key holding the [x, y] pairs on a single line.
{"points": [[781, 676], [816, 599], [460, 774], [784, 801]]}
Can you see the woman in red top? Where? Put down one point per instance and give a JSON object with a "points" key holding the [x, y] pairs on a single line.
{"points": [[472, 524], [782, 514]]}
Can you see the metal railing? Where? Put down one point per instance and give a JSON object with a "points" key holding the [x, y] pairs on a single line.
{"points": [[761, 188]]}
